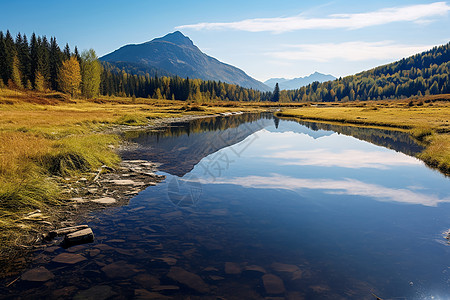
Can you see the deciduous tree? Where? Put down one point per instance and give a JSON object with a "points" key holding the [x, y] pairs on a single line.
{"points": [[91, 71], [69, 78]]}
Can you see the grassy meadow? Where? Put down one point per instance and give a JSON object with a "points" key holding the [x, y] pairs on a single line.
{"points": [[426, 119]]}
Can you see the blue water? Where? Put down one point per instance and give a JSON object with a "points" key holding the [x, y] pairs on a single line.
{"points": [[350, 218]]}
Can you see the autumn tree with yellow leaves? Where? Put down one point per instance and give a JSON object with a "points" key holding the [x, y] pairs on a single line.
{"points": [[69, 78]]}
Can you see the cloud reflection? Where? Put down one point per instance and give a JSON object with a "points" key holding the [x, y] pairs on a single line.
{"points": [[353, 159], [338, 187]]}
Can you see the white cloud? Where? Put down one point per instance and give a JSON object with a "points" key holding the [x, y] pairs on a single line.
{"points": [[350, 51], [414, 13], [337, 187], [353, 159]]}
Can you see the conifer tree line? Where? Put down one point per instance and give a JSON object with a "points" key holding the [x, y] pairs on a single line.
{"points": [[40, 64], [117, 82], [426, 73]]}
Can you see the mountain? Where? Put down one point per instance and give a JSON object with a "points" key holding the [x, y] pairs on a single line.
{"points": [[176, 54], [296, 83]]}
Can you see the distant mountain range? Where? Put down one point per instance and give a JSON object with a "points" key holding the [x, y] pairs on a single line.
{"points": [[176, 54], [296, 83]]}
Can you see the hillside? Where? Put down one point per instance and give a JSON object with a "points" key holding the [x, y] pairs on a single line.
{"points": [[296, 83], [426, 73], [176, 54]]}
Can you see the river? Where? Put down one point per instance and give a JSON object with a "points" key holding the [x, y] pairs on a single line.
{"points": [[256, 207]]}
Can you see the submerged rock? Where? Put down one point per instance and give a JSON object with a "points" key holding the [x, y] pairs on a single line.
{"points": [[40, 274], [232, 268], [147, 281], [64, 293], [166, 288], [168, 260], [99, 292], [273, 284], [188, 279], [119, 270], [280, 267], [144, 294], [69, 258], [255, 269]]}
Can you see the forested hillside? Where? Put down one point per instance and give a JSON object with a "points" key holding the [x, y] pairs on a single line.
{"points": [[119, 83], [42, 66], [426, 73], [32, 64]]}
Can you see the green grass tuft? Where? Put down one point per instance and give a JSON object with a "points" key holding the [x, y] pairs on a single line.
{"points": [[78, 154], [132, 120]]}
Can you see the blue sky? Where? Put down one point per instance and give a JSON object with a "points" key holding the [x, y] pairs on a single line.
{"points": [[264, 38]]}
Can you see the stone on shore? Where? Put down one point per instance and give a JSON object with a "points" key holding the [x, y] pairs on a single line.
{"points": [[104, 200], [40, 274], [79, 237], [63, 231], [126, 182]]}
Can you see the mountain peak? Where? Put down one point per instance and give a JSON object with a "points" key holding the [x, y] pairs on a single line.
{"points": [[175, 54], [296, 83], [176, 38]]}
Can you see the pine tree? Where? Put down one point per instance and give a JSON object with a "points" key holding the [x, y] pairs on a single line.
{"points": [[77, 54], [25, 61], [3, 61], [55, 61], [276, 93], [34, 55], [10, 51], [66, 52], [44, 66]]}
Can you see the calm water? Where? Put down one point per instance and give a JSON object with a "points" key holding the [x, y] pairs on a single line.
{"points": [[331, 215]]}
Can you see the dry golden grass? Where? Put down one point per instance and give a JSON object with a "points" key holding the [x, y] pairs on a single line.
{"points": [[437, 154], [427, 119]]}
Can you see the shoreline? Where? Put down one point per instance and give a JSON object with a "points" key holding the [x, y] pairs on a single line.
{"points": [[423, 136], [107, 188]]}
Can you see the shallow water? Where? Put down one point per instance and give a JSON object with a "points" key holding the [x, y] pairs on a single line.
{"points": [[330, 215]]}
